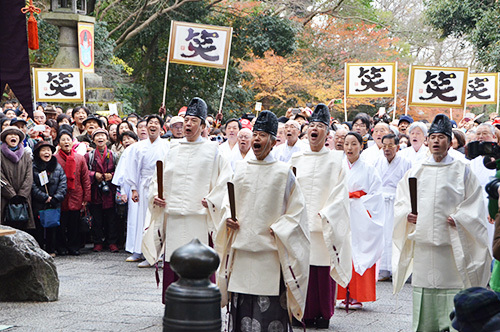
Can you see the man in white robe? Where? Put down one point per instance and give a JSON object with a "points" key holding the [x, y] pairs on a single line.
{"points": [[391, 168], [232, 127], [244, 150], [339, 138], [143, 156], [484, 133], [133, 241], [446, 245], [195, 179], [293, 144], [322, 179], [265, 249], [372, 154], [417, 152]]}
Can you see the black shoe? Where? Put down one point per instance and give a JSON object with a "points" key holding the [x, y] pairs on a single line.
{"points": [[310, 322], [296, 323], [74, 252], [322, 323]]}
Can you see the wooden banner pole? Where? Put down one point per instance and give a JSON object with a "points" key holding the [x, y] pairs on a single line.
{"points": [[34, 90], [84, 99], [225, 74], [166, 66], [395, 92], [465, 87], [408, 92], [345, 91], [496, 92]]}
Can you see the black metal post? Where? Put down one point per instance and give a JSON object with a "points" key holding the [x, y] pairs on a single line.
{"points": [[193, 302]]}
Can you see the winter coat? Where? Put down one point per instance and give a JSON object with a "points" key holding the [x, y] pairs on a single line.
{"points": [[107, 165], [18, 178], [56, 186], [75, 197]]}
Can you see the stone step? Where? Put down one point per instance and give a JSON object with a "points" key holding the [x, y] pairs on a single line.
{"points": [[99, 95], [95, 106]]}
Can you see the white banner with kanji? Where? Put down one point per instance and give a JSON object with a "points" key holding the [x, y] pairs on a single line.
{"points": [[58, 85], [370, 79], [482, 88], [200, 44], [438, 86]]}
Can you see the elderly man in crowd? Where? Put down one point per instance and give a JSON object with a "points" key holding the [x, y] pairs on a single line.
{"points": [[484, 133], [39, 117], [391, 168], [445, 245], [293, 143], [339, 138], [374, 152], [417, 152], [177, 127], [244, 151]]}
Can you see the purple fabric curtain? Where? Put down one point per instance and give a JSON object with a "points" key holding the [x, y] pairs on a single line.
{"points": [[14, 58]]}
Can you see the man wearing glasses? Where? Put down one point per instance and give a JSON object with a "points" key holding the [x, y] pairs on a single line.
{"points": [[391, 167]]}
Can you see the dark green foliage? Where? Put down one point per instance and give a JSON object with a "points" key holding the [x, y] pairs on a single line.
{"points": [[475, 20], [48, 36], [263, 32], [146, 53]]}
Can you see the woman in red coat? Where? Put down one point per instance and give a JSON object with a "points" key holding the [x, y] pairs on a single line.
{"points": [[77, 197]]}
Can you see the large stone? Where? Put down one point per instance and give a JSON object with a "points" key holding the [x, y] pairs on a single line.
{"points": [[27, 273]]}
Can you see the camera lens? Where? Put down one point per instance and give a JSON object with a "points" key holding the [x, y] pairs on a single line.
{"points": [[492, 188]]}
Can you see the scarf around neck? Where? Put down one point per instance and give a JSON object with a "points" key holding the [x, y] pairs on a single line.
{"points": [[13, 156], [70, 168]]}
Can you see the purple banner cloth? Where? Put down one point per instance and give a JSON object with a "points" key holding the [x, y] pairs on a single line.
{"points": [[14, 57]]}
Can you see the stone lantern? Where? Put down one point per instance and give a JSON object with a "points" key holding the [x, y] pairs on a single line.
{"points": [[66, 14], [69, 6]]}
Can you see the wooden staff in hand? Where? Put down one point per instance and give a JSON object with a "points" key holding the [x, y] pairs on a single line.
{"points": [[159, 200], [232, 222], [412, 217]]}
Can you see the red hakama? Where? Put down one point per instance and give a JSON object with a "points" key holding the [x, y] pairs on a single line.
{"points": [[362, 288]]}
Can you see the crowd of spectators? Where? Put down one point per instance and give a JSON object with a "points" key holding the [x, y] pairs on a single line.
{"points": [[79, 152]]}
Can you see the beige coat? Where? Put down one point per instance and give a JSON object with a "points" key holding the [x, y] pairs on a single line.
{"points": [[323, 183], [267, 197], [439, 255], [19, 179], [192, 171]]}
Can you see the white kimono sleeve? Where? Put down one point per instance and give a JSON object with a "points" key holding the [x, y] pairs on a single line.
{"points": [[291, 231], [337, 232], [221, 174], [153, 241], [469, 238], [402, 247]]}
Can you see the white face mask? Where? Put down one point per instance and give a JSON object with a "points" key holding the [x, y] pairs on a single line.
{"points": [[402, 146]]}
